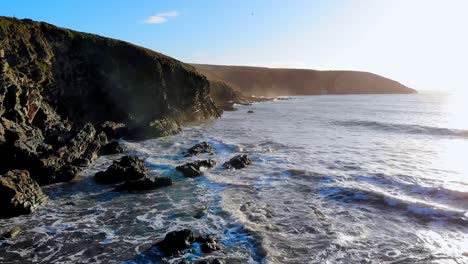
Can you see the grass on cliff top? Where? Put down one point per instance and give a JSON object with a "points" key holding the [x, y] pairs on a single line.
{"points": [[11, 24]]}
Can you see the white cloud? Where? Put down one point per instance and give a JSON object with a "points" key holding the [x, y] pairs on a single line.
{"points": [[161, 17]]}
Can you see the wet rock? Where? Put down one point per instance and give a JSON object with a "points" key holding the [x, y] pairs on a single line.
{"points": [[175, 242], [210, 261], [208, 244], [12, 233], [250, 112], [67, 161], [228, 108], [112, 147], [128, 168], [193, 169], [199, 148], [19, 194], [144, 184], [238, 162], [114, 130]]}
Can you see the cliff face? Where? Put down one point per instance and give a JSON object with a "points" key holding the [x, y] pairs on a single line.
{"points": [[272, 82], [58, 87]]}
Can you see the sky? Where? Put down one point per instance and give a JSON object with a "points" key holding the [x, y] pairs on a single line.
{"points": [[420, 43]]}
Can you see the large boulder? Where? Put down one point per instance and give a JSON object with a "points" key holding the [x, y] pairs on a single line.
{"points": [[110, 148], [19, 194], [199, 148], [128, 168], [238, 162], [144, 184], [194, 169], [175, 242]]}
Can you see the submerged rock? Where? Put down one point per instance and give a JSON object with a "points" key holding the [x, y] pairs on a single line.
{"points": [[193, 169], [199, 148], [12, 233], [208, 243], [128, 168], [144, 184], [176, 241], [112, 147], [238, 162], [19, 194]]}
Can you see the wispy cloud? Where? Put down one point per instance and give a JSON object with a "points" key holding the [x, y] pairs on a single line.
{"points": [[161, 17]]}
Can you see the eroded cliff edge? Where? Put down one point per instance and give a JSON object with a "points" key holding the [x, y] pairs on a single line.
{"points": [[262, 81], [64, 93]]}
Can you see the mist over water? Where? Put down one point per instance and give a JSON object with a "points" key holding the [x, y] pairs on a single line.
{"points": [[335, 179]]}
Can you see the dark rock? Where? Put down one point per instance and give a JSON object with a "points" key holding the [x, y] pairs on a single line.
{"points": [[193, 169], [144, 184], [112, 147], [250, 112], [176, 241], [208, 244], [238, 162], [19, 194], [12, 233], [114, 130], [228, 108], [199, 148], [128, 168], [57, 86], [210, 261]]}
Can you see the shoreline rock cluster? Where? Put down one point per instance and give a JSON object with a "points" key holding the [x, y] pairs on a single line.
{"points": [[67, 96]]}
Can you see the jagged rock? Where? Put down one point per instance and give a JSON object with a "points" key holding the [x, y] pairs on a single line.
{"points": [[193, 169], [210, 261], [19, 194], [57, 85], [128, 168], [144, 184], [199, 148], [208, 243], [238, 162], [114, 130], [69, 160], [12, 233], [176, 241], [112, 147]]}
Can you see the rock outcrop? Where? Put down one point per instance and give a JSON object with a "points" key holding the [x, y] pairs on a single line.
{"points": [[64, 93], [144, 184], [177, 241], [19, 194], [261, 81], [200, 148], [238, 162], [194, 169], [128, 168]]}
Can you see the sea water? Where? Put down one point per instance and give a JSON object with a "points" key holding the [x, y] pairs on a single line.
{"points": [[335, 179]]}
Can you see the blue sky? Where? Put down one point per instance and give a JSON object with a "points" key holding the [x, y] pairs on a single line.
{"points": [[420, 43]]}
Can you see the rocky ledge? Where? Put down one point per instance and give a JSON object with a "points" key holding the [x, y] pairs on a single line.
{"points": [[64, 94]]}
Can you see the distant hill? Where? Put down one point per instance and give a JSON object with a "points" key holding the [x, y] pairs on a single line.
{"points": [[272, 82]]}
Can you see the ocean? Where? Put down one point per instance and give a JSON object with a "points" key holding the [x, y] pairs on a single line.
{"points": [[334, 179]]}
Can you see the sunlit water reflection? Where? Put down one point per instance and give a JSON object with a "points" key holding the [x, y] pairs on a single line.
{"points": [[336, 179]]}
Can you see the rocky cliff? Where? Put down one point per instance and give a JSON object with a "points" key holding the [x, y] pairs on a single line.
{"points": [[63, 93], [272, 82]]}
